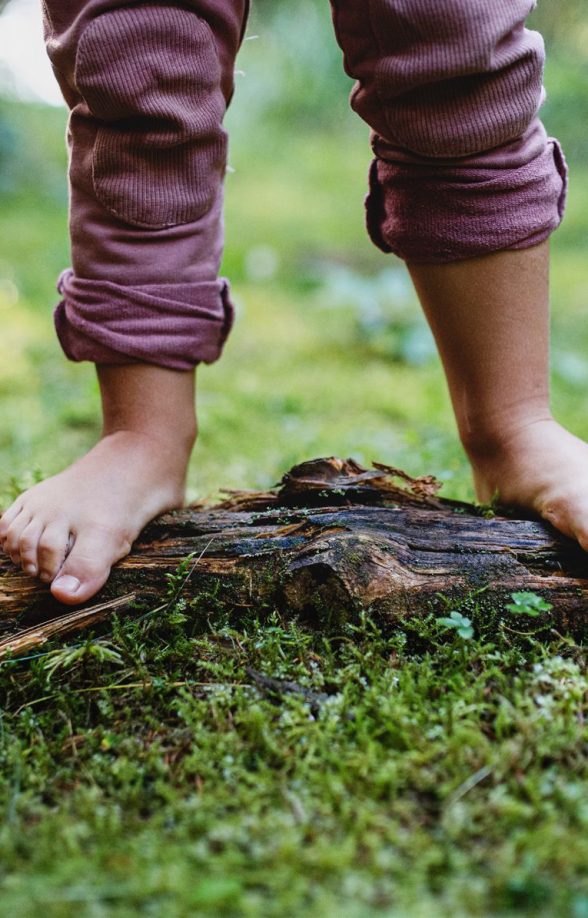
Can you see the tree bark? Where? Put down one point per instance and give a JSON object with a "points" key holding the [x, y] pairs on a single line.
{"points": [[332, 539]]}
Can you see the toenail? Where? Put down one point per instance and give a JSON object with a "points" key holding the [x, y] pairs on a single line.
{"points": [[45, 577], [67, 584], [30, 569]]}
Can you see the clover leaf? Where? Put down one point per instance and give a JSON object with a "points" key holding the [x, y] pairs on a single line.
{"points": [[528, 604], [458, 623]]}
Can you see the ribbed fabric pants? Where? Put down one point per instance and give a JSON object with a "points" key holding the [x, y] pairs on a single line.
{"points": [[450, 89]]}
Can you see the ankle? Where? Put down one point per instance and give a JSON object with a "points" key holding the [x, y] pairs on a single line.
{"points": [[177, 440], [150, 402], [490, 442]]}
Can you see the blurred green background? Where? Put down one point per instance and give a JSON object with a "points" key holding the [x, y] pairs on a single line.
{"points": [[330, 354]]}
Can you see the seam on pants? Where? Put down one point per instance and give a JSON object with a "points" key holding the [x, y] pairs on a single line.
{"points": [[46, 16], [246, 13], [562, 168], [380, 49]]}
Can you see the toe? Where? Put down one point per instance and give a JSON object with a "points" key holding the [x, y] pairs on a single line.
{"points": [[580, 527], [52, 549], [11, 543], [560, 514], [29, 547], [8, 518], [88, 565], [569, 515]]}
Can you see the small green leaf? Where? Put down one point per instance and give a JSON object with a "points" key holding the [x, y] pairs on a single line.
{"points": [[527, 603], [459, 623]]}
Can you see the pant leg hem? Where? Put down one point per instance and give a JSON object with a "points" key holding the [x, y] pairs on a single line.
{"points": [[175, 326], [435, 214]]}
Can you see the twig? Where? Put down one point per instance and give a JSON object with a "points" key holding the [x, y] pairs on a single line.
{"points": [[469, 785], [277, 688], [65, 624]]}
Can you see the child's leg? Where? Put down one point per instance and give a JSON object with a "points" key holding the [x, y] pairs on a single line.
{"points": [[490, 317], [147, 86], [466, 187]]}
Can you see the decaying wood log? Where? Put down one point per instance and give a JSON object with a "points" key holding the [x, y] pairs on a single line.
{"points": [[333, 537]]}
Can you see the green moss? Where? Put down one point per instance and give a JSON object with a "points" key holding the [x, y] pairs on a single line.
{"points": [[442, 772]]}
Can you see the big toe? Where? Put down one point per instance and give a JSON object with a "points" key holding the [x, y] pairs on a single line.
{"points": [[88, 565]]}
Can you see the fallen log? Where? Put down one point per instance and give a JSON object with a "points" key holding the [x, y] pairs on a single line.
{"points": [[332, 537]]}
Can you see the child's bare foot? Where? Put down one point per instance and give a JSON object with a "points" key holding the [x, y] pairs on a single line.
{"points": [[70, 529], [539, 466]]}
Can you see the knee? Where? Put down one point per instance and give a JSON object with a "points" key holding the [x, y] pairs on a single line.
{"points": [[445, 78], [151, 80], [465, 36]]}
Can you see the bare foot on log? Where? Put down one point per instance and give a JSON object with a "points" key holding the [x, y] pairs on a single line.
{"points": [[540, 467], [490, 318], [70, 529]]}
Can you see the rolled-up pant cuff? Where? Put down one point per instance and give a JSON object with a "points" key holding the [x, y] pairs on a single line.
{"points": [[435, 212], [171, 325]]}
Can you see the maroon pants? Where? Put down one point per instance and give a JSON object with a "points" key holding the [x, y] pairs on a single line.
{"points": [[450, 88]]}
